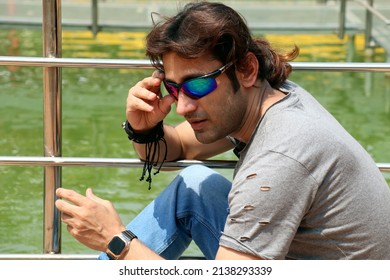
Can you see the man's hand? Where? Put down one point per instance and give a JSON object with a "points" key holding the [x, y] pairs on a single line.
{"points": [[91, 220], [145, 106]]}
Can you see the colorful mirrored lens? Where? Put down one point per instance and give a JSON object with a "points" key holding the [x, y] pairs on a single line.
{"points": [[200, 87], [171, 89], [195, 88]]}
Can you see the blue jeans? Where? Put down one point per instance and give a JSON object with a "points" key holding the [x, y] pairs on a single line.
{"points": [[194, 206]]}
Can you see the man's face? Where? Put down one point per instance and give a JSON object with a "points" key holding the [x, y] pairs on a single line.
{"points": [[215, 115]]}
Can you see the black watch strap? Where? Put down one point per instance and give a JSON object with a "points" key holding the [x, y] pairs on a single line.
{"points": [[129, 234]]}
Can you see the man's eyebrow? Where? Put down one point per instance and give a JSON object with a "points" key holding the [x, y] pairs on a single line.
{"points": [[186, 78]]}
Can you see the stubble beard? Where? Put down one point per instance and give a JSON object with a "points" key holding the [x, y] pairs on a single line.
{"points": [[229, 122]]}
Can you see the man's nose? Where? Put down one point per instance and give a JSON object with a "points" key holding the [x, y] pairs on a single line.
{"points": [[185, 104]]}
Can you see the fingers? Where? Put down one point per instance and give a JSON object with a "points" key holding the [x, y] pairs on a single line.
{"points": [[91, 220], [71, 196], [70, 205], [166, 103], [145, 106], [148, 89], [143, 94], [72, 202], [90, 195], [158, 74]]}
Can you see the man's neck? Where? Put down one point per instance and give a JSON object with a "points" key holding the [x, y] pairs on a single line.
{"points": [[259, 100]]}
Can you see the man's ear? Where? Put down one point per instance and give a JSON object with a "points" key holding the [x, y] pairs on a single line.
{"points": [[248, 70]]}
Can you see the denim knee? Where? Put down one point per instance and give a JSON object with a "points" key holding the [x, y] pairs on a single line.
{"points": [[199, 187], [198, 177]]}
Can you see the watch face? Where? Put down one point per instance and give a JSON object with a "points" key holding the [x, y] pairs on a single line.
{"points": [[116, 245]]}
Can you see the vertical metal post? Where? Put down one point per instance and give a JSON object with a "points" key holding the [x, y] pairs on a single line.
{"points": [[95, 26], [369, 48], [368, 33], [387, 92], [51, 28], [342, 15]]}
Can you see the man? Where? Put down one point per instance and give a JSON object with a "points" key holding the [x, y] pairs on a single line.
{"points": [[303, 188]]}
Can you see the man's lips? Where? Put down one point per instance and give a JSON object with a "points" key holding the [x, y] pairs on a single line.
{"points": [[197, 124]]}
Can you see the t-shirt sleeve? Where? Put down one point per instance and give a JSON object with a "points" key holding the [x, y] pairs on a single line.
{"points": [[269, 198]]}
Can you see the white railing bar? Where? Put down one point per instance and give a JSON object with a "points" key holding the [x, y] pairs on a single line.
{"points": [[48, 257], [145, 64], [122, 162], [342, 66], [74, 62], [106, 162], [66, 257]]}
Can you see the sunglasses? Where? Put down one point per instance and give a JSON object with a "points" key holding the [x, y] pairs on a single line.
{"points": [[198, 87]]}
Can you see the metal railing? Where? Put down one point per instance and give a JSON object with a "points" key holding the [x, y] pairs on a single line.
{"points": [[370, 38], [370, 12], [145, 64], [52, 161]]}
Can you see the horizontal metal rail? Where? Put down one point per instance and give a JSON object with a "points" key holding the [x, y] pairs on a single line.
{"points": [[74, 62], [122, 162], [113, 162], [145, 64], [48, 256], [69, 257]]}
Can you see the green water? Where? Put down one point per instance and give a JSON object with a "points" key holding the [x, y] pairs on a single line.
{"points": [[94, 107]]}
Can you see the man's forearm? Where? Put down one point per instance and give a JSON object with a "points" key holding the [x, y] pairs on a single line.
{"points": [[138, 251]]}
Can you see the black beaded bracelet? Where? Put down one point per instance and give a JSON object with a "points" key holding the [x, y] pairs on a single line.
{"points": [[155, 135], [152, 148]]}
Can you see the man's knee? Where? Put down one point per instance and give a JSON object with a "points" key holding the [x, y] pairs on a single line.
{"points": [[202, 179], [196, 172]]}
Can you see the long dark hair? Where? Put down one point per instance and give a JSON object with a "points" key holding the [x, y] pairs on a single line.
{"points": [[205, 27]]}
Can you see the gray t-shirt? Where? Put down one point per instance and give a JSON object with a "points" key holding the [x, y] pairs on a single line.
{"points": [[305, 189]]}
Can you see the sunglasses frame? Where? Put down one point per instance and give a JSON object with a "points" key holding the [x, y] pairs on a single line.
{"points": [[179, 87]]}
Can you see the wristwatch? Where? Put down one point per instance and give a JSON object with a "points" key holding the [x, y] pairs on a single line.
{"points": [[119, 244]]}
